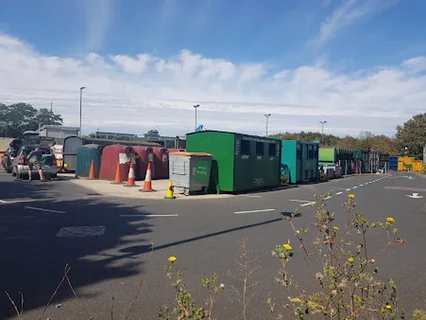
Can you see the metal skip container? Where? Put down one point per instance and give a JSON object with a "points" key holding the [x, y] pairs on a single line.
{"points": [[190, 171]]}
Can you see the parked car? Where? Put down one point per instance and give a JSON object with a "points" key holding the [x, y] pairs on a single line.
{"points": [[20, 165]]}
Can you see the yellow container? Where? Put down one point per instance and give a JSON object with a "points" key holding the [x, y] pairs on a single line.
{"points": [[405, 163], [418, 166]]}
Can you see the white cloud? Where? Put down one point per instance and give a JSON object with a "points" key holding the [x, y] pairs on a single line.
{"points": [[135, 93], [348, 13], [137, 64], [99, 14]]}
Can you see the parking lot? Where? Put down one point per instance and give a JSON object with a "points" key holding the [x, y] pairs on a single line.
{"points": [[117, 246]]}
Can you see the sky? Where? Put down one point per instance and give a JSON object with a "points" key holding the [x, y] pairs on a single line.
{"points": [[357, 64]]}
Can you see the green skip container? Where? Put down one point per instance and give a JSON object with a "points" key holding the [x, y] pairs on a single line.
{"points": [[240, 162], [190, 171]]}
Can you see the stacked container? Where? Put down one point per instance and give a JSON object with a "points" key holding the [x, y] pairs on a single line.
{"points": [[393, 163], [301, 159], [112, 156], [144, 155], [240, 162], [85, 155], [161, 158]]}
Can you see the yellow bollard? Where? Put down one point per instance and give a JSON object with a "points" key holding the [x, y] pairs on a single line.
{"points": [[169, 194]]}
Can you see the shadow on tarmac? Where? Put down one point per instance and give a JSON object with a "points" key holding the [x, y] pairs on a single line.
{"points": [[33, 257]]}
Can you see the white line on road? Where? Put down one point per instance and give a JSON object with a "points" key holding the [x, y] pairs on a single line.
{"points": [[2, 201], [361, 185], [45, 210], [348, 189], [297, 200], [250, 196], [355, 187], [337, 193], [254, 211], [308, 204], [146, 215]]}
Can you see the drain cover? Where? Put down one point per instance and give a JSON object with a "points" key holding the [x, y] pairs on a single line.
{"points": [[81, 231]]}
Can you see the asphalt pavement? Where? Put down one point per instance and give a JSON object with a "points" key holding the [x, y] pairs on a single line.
{"points": [[116, 247]]}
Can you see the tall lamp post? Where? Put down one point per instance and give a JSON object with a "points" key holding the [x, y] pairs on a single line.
{"points": [[322, 130], [267, 115], [196, 115], [81, 108]]}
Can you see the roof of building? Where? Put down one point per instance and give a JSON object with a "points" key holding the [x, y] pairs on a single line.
{"points": [[4, 143], [59, 128]]}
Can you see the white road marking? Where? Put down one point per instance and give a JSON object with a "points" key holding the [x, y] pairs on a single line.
{"points": [[297, 200], [2, 201], [13, 201], [146, 215], [355, 187], [337, 193], [254, 211], [348, 189], [250, 196], [308, 204], [361, 185], [45, 210]]}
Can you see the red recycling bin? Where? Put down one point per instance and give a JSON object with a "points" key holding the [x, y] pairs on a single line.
{"points": [[161, 163], [111, 158], [143, 156]]}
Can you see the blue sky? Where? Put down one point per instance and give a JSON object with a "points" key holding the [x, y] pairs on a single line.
{"points": [[295, 59]]}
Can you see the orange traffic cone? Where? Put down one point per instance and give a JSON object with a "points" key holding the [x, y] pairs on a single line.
{"points": [[147, 186], [131, 177], [117, 179], [92, 175]]}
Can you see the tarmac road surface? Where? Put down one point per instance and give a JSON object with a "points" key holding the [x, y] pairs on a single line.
{"points": [[116, 248]]}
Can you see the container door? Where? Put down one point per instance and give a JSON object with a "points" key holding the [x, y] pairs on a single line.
{"points": [[71, 144], [299, 162]]}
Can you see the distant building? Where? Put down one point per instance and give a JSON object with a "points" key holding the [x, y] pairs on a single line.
{"points": [[59, 133]]}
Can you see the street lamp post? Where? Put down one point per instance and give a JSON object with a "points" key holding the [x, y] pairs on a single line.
{"points": [[81, 108], [267, 115], [196, 115], [322, 130]]}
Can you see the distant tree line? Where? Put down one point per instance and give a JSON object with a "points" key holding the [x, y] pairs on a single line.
{"points": [[20, 117], [410, 137], [409, 140]]}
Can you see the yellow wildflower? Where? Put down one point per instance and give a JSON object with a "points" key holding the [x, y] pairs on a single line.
{"points": [[351, 260], [388, 306], [390, 220], [295, 300], [335, 229], [172, 259], [287, 246], [351, 196]]}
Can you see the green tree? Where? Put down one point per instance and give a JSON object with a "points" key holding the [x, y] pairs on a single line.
{"points": [[411, 136], [152, 133], [19, 117]]}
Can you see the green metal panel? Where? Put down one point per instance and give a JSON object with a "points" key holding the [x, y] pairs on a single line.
{"points": [[258, 167], [85, 155], [288, 157], [327, 155], [301, 158], [221, 145], [243, 162]]}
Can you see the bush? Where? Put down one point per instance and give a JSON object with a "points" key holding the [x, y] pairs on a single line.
{"points": [[346, 279]]}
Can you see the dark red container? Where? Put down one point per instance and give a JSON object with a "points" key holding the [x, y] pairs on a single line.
{"points": [[143, 156], [161, 163], [110, 159]]}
